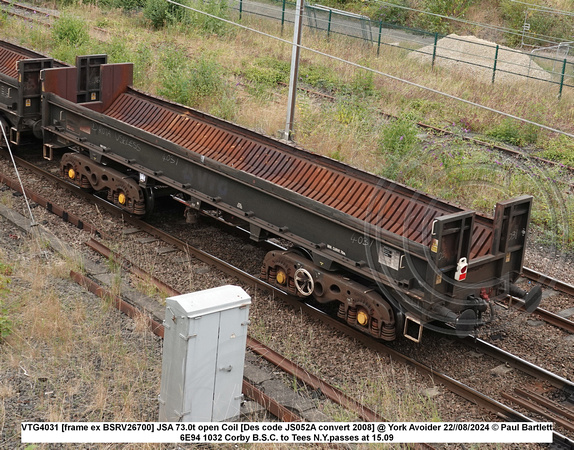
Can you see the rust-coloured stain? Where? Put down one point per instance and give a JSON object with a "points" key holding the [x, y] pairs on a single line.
{"points": [[378, 205]]}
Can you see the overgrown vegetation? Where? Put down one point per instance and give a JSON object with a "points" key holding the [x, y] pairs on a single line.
{"points": [[160, 13], [67, 356], [435, 21], [560, 150], [193, 82], [70, 31], [433, 16], [542, 25], [510, 132], [264, 74]]}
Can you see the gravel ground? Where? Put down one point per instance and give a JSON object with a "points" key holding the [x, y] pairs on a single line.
{"points": [[392, 389], [476, 57]]}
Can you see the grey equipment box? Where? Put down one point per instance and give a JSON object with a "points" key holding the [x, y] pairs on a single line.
{"points": [[203, 355]]}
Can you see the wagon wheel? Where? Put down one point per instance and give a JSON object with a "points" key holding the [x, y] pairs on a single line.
{"points": [[304, 282]]}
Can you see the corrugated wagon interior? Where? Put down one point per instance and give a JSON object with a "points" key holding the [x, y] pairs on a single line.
{"points": [[378, 205]]}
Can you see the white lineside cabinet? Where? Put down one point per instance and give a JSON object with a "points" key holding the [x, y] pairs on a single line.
{"points": [[204, 355]]}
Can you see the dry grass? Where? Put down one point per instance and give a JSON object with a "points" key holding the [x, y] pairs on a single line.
{"points": [[70, 357], [240, 48]]}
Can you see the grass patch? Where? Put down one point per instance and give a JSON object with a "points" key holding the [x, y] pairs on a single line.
{"points": [[192, 82], [560, 150], [70, 30], [510, 132], [67, 355], [5, 321]]}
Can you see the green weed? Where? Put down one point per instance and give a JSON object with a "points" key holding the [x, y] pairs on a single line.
{"points": [[264, 74], [510, 132], [320, 77], [362, 84], [193, 83], [212, 25], [436, 24], [70, 31], [388, 13], [398, 137], [6, 323], [560, 150], [155, 11], [541, 23]]}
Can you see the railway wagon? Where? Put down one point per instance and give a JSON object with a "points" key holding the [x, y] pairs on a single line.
{"points": [[391, 259], [20, 89]]}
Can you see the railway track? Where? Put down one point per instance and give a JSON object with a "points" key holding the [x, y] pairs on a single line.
{"points": [[45, 17], [541, 405], [187, 249], [466, 137], [278, 360], [546, 280], [465, 392], [39, 16], [154, 322]]}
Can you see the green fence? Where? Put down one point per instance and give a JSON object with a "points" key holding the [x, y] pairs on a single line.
{"points": [[488, 61]]}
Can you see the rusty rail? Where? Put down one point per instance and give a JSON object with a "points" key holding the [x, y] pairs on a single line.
{"points": [[157, 328], [453, 385], [547, 280]]}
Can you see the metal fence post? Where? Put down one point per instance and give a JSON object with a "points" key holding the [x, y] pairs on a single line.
{"points": [[495, 61], [562, 78], [283, 15], [379, 41], [329, 24], [434, 49]]}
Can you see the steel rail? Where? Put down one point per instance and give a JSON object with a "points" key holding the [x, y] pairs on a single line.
{"points": [[11, 9], [270, 404], [311, 380], [524, 366], [257, 347], [545, 315], [63, 213], [125, 307], [157, 328], [533, 405], [547, 280], [548, 404], [130, 266], [462, 390]]}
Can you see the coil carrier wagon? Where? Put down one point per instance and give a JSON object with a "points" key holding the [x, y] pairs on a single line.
{"points": [[391, 258], [21, 89]]}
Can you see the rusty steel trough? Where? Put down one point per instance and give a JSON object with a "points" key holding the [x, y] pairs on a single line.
{"points": [[380, 249], [383, 204]]}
